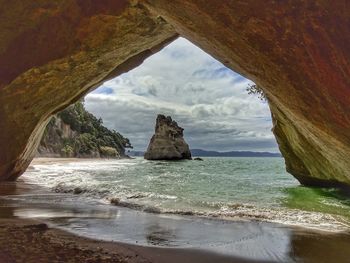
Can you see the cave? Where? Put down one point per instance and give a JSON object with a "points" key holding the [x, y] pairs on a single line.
{"points": [[53, 53]]}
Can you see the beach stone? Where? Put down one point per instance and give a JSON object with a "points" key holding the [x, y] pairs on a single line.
{"points": [[53, 52], [115, 200], [153, 210], [78, 190], [168, 142], [198, 159]]}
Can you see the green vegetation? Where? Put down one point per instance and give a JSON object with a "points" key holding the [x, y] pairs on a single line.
{"points": [[67, 151], [75, 132], [108, 151]]}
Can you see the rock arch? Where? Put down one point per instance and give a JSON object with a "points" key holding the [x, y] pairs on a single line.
{"points": [[53, 52]]}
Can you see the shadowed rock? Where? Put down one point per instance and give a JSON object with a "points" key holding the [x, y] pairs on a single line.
{"points": [[167, 143], [54, 52]]}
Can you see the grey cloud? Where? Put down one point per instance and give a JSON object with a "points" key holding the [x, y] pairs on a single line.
{"points": [[204, 97]]}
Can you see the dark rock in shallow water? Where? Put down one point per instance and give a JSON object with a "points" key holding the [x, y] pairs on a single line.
{"points": [[136, 196], [153, 210], [115, 201], [198, 159], [167, 143], [78, 190]]}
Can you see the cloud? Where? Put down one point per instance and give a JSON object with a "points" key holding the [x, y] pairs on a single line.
{"points": [[207, 99]]}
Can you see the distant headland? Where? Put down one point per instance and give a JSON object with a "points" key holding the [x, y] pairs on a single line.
{"points": [[205, 153]]}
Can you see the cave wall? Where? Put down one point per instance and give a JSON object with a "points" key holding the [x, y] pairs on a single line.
{"points": [[298, 52], [53, 52]]}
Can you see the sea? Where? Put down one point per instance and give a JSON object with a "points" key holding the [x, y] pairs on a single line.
{"points": [[228, 188], [246, 207]]}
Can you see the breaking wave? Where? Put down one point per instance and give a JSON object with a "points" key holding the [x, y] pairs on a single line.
{"points": [[169, 188]]}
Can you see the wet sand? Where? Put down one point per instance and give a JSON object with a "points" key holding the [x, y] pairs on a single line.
{"points": [[26, 237], [50, 229], [23, 240], [48, 160]]}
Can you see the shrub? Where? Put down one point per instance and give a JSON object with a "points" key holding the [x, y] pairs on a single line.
{"points": [[67, 151], [85, 144], [107, 151]]}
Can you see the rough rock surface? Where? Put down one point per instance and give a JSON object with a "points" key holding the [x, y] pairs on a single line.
{"points": [[167, 143], [298, 52], [53, 139], [53, 52]]}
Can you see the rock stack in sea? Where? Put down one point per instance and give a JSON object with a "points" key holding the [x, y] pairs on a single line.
{"points": [[168, 142]]}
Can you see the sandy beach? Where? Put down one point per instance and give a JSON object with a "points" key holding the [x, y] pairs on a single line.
{"points": [[24, 240], [38, 225], [49, 160], [31, 241]]}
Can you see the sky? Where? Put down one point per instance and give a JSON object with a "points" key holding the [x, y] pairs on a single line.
{"points": [[207, 99]]}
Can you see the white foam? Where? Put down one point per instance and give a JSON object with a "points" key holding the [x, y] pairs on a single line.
{"points": [[66, 177]]}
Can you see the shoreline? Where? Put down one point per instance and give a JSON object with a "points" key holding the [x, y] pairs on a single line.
{"points": [[24, 240], [68, 229], [45, 160], [68, 245], [63, 246], [240, 211]]}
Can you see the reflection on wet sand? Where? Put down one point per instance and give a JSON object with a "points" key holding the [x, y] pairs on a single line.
{"points": [[159, 236], [317, 247], [251, 240]]}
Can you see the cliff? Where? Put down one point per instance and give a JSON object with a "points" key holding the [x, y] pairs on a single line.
{"points": [[54, 52], [168, 142], [75, 132]]}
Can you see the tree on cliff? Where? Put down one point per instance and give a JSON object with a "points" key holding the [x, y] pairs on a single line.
{"points": [[75, 132]]}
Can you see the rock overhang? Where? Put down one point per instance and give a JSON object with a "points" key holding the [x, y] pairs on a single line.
{"points": [[298, 54]]}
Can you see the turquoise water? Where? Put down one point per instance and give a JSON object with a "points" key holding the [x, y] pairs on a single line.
{"points": [[230, 188]]}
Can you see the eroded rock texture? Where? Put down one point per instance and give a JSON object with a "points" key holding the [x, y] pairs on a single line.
{"points": [[53, 52], [298, 52], [168, 142]]}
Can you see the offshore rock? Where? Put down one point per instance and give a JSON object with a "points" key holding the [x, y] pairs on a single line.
{"points": [[167, 143]]}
